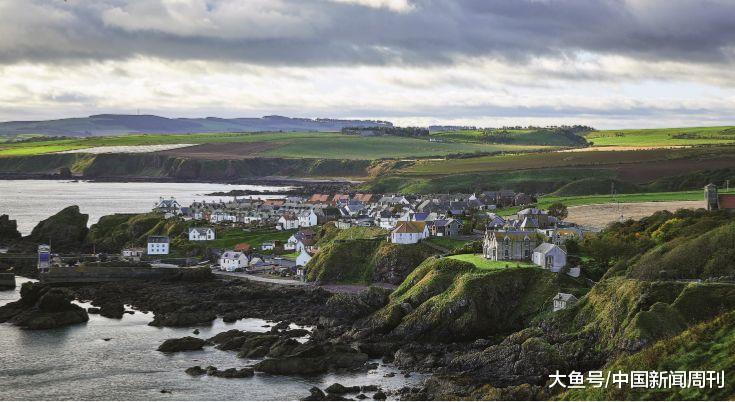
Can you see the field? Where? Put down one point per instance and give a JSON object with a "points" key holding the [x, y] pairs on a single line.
{"points": [[598, 216], [662, 137], [285, 145], [482, 263]]}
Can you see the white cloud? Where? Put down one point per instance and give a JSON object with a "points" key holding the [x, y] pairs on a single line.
{"points": [[395, 5]]}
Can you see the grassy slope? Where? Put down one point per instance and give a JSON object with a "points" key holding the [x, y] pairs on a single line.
{"points": [[287, 145], [709, 346], [449, 299], [663, 136], [482, 263]]}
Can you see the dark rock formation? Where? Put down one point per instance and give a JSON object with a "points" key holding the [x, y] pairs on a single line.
{"points": [[112, 310], [8, 230], [186, 343], [313, 358], [43, 307], [66, 230]]}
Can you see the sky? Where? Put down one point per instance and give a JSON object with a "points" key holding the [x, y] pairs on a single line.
{"points": [[605, 63]]}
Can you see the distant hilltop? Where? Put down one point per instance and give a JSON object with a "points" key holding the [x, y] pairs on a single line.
{"points": [[115, 124]]}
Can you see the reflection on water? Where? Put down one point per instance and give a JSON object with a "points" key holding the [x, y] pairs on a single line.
{"points": [[30, 201], [78, 363]]}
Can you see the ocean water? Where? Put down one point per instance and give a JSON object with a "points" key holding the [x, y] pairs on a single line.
{"points": [[31, 201], [77, 363]]}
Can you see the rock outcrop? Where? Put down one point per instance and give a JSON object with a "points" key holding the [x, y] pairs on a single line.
{"points": [[187, 343], [43, 307]]}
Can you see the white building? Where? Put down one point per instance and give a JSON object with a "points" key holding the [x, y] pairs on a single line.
{"points": [[268, 245], [409, 232], [168, 206], [287, 221], [307, 219], [549, 256], [158, 245], [133, 254], [201, 234], [290, 244], [564, 300], [233, 260], [303, 258]]}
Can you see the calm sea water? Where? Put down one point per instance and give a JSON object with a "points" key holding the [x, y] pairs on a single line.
{"points": [[31, 201], [77, 363]]}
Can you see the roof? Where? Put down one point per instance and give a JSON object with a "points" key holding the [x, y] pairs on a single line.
{"points": [[200, 231], [545, 248], [319, 198], [158, 239], [410, 227], [727, 201], [243, 247], [513, 234], [567, 297], [363, 197], [274, 202], [233, 255]]}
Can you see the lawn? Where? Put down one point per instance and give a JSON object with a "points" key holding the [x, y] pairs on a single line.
{"points": [[447, 242], [228, 238], [281, 144], [663, 136], [482, 263]]}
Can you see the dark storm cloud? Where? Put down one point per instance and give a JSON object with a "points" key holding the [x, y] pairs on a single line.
{"points": [[295, 32]]}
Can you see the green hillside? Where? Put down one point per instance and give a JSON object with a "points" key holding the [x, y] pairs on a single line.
{"points": [[663, 136]]}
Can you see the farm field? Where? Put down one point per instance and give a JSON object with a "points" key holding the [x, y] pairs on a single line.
{"points": [[597, 216], [662, 137], [518, 161], [484, 264], [285, 145]]}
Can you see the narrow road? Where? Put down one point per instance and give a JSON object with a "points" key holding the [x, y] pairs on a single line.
{"points": [[293, 282]]}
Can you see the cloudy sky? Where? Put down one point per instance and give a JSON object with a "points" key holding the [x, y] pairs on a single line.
{"points": [[608, 63]]}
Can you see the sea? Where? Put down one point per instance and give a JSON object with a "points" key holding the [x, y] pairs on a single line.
{"points": [[116, 359], [31, 201]]}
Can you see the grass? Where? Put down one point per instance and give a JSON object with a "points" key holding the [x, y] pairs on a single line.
{"points": [[484, 264], [697, 195], [447, 242], [663, 136], [282, 144]]}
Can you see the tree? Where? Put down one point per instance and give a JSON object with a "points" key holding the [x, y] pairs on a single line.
{"points": [[558, 210]]}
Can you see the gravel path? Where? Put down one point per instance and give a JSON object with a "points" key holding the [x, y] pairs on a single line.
{"points": [[293, 282]]}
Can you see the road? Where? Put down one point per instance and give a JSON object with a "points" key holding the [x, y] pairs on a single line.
{"points": [[292, 282]]}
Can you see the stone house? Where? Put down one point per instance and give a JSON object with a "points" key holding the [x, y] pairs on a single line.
{"points": [[510, 244]]}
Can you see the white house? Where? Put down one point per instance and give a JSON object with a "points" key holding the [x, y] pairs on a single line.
{"points": [[158, 245], [233, 260], [408, 232], [133, 254], [288, 221], [268, 245], [564, 300], [201, 234], [549, 256], [168, 206], [307, 219], [290, 244], [303, 258]]}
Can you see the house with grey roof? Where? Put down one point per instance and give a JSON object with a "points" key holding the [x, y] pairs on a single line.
{"points": [[564, 300]]}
